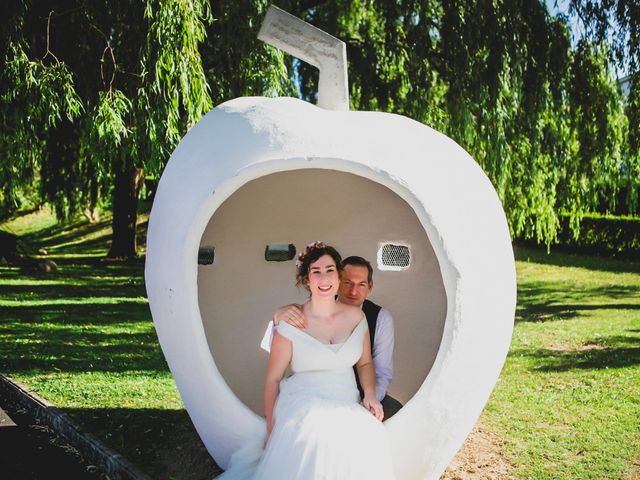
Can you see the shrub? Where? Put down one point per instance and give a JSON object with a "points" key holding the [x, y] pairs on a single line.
{"points": [[607, 235]]}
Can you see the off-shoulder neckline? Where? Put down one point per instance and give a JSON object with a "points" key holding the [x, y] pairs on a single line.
{"points": [[308, 335]]}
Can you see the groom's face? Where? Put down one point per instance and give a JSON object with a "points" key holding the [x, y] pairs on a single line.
{"points": [[354, 285]]}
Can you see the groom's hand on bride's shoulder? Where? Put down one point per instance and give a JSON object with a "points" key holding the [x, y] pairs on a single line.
{"points": [[292, 314]]}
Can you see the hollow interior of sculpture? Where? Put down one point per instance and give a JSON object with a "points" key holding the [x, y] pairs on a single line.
{"points": [[241, 289]]}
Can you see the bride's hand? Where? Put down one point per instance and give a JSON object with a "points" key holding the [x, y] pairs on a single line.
{"points": [[374, 406]]}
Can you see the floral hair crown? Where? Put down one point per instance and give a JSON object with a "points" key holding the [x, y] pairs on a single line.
{"points": [[308, 249]]}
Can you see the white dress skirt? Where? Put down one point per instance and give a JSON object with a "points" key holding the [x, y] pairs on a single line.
{"points": [[321, 431]]}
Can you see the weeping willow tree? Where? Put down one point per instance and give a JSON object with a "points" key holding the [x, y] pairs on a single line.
{"points": [[612, 28], [98, 70], [37, 95], [543, 118], [97, 94]]}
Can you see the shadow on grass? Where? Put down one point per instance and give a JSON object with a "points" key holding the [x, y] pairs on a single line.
{"points": [[97, 245], [163, 443], [90, 287], [66, 232], [561, 361], [85, 264], [566, 259], [75, 271], [70, 237], [85, 317], [63, 244], [540, 302], [600, 353], [120, 338]]}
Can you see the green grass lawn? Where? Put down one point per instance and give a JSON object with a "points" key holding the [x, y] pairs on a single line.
{"points": [[82, 338], [567, 403], [568, 399]]}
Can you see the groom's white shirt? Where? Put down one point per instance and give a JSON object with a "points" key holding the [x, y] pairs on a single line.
{"points": [[381, 350]]}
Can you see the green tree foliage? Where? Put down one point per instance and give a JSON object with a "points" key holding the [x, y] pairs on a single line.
{"points": [[172, 67], [632, 160], [600, 123], [236, 63], [544, 120], [616, 24], [96, 94], [37, 96]]}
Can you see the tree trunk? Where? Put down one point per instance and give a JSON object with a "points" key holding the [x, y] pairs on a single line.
{"points": [[91, 212], [125, 213]]}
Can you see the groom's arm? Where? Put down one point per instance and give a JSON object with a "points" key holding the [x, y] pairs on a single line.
{"points": [[382, 352]]}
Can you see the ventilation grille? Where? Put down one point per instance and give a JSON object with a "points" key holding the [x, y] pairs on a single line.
{"points": [[394, 257], [206, 255]]}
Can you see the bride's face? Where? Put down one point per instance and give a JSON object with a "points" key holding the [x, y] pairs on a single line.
{"points": [[324, 280]]}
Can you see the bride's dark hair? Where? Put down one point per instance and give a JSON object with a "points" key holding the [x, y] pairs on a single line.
{"points": [[311, 254]]}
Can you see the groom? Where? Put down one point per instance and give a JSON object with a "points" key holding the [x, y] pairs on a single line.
{"points": [[356, 284]]}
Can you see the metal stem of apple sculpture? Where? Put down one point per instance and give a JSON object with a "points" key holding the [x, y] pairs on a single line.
{"points": [[310, 44]]}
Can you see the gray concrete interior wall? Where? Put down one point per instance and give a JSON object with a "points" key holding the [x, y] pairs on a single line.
{"points": [[239, 292]]}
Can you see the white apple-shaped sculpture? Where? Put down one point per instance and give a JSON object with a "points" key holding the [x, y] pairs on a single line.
{"points": [[248, 138]]}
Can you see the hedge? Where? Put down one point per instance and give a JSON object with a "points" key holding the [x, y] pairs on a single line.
{"points": [[606, 235]]}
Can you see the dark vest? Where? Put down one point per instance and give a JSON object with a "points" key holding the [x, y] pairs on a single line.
{"points": [[371, 311]]}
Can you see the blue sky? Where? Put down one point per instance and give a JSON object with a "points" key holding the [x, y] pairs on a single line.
{"points": [[576, 28], [563, 7]]}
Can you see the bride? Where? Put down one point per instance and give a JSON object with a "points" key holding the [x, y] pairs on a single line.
{"points": [[316, 426]]}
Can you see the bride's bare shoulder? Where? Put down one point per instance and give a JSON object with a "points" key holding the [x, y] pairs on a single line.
{"points": [[351, 313]]}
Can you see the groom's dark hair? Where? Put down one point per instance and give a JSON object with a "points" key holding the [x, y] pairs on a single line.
{"points": [[360, 262]]}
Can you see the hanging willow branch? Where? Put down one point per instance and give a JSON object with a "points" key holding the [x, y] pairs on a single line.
{"points": [[173, 73], [543, 119]]}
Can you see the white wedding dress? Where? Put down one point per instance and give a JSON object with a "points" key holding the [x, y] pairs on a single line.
{"points": [[321, 430]]}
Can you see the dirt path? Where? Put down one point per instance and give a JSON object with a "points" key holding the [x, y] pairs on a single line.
{"points": [[634, 471], [480, 458]]}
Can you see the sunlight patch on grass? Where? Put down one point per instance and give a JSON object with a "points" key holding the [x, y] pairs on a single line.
{"points": [[28, 281], [128, 389], [94, 253], [32, 222], [69, 301], [79, 241]]}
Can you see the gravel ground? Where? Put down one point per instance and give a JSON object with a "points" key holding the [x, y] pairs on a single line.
{"points": [[480, 458]]}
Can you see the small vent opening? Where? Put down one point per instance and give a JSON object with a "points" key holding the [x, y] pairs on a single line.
{"points": [[279, 252], [393, 256], [206, 255]]}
